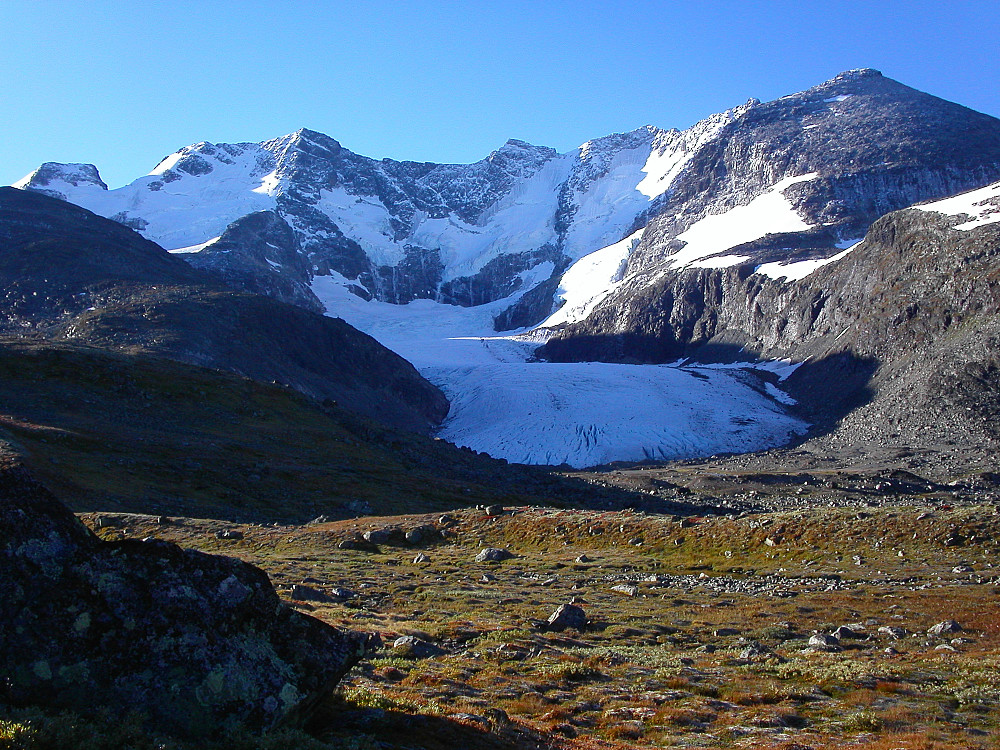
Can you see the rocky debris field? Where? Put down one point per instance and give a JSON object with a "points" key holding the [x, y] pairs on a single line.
{"points": [[823, 625]]}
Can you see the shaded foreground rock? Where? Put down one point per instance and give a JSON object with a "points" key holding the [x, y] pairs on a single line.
{"points": [[196, 642]]}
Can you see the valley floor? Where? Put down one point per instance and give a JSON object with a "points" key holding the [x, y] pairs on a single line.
{"points": [[700, 629]]}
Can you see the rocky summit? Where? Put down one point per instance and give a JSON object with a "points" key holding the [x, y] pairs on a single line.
{"points": [[196, 642], [791, 179]]}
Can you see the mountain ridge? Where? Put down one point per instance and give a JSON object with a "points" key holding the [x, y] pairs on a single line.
{"points": [[467, 233]]}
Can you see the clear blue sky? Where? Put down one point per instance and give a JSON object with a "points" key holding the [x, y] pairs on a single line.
{"points": [[121, 84]]}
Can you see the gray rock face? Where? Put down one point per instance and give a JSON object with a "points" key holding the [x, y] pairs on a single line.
{"points": [[196, 642], [260, 253]]}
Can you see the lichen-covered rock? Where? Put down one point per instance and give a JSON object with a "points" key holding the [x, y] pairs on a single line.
{"points": [[196, 642]]}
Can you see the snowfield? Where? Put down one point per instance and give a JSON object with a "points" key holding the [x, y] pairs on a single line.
{"points": [[581, 414], [982, 205]]}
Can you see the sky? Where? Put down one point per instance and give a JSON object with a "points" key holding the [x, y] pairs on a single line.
{"points": [[121, 85]]}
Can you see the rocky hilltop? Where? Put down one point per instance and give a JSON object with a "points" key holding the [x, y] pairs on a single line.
{"points": [[71, 275]]}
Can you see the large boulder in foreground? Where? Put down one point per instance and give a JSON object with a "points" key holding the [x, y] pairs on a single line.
{"points": [[197, 642]]}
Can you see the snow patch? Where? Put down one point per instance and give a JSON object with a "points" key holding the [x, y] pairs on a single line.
{"points": [[799, 269], [269, 184], [983, 205], [195, 248], [590, 280], [167, 163], [779, 395], [768, 213]]}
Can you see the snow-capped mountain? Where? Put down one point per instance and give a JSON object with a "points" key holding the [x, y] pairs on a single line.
{"points": [[644, 246]]}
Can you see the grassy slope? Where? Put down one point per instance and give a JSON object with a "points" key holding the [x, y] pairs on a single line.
{"points": [[116, 432], [640, 675]]}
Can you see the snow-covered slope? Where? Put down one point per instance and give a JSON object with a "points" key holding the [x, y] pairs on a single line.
{"points": [[982, 206], [580, 414]]}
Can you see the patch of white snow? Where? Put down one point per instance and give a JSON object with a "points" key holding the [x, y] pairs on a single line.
{"points": [[195, 248], [799, 269], [590, 280], [768, 213], [983, 205]]}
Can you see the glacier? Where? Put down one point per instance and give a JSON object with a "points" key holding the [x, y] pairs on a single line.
{"points": [[577, 414]]}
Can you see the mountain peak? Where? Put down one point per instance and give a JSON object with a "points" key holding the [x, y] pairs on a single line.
{"points": [[315, 138], [53, 175], [858, 73]]}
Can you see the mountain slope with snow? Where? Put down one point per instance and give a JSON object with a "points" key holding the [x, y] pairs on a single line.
{"points": [[645, 246]]}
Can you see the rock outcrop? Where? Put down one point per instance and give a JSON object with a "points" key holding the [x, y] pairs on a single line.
{"points": [[195, 642]]}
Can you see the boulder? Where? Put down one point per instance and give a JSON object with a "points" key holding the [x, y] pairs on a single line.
{"points": [[377, 536], [823, 642], [626, 588], [197, 643], [493, 554], [301, 593], [410, 645], [567, 616], [943, 628]]}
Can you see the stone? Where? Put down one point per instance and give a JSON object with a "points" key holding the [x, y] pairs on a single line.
{"points": [[421, 558], [567, 616], [302, 593], [725, 632], [945, 627], [754, 651], [377, 536], [231, 534], [493, 554], [893, 631], [845, 631], [583, 559], [494, 510], [626, 588], [409, 645], [414, 536], [824, 642], [198, 643]]}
